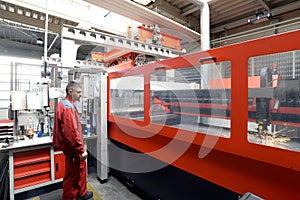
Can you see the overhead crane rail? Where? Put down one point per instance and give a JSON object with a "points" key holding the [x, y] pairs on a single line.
{"points": [[82, 36], [77, 63]]}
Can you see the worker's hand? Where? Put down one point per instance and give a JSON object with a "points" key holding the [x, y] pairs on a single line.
{"points": [[84, 155]]}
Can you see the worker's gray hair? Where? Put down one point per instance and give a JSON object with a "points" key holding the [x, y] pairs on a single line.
{"points": [[72, 85]]}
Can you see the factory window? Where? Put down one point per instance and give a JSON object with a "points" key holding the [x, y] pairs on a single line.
{"points": [[127, 97], [195, 98], [15, 76], [5, 76], [27, 75], [274, 100]]}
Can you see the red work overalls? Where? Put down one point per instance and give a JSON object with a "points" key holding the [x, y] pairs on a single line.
{"points": [[67, 136]]}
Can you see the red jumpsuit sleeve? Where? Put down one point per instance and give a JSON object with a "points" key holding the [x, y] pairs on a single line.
{"points": [[57, 136], [72, 136]]}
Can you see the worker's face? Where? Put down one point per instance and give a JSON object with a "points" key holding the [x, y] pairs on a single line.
{"points": [[76, 93]]}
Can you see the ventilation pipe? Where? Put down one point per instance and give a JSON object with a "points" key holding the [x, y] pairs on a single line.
{"points": [[45, 72], [204, 23]]}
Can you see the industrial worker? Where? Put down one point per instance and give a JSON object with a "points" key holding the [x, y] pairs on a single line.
{"points": [[67, 136]]}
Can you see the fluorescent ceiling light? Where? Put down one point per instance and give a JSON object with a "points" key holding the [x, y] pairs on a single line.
{"points": [[260, 18], [39, 41]]}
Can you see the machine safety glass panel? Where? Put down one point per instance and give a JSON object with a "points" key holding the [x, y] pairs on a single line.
{"points": [[127, 97], [196, 98], [274, 100]]}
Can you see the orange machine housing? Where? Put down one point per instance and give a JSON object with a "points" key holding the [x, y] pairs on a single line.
{"points": [[167, 40], [97, 56], [115, 59]]}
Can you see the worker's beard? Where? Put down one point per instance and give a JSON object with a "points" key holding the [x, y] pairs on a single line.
{"points": [[74, 99]]}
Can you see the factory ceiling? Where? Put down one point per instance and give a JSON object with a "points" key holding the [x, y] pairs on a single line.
{"points": [[23, 25]]}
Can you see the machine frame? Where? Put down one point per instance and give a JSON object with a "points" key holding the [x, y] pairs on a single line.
{"points": [[233, 163]]}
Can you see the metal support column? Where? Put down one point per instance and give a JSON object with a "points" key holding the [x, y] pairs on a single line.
{"points": [[102, 138]]}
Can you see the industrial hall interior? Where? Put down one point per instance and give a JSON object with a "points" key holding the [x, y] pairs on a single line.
{"points": [[149, 100]]}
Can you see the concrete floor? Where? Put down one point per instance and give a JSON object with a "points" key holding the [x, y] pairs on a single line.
{"points": [[112, 189]]}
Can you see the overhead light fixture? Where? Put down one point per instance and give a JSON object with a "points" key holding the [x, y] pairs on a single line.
{"points": [[144, 2], [39, 41], [260, 18]]}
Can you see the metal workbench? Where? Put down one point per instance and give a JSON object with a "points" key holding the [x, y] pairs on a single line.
{"points": [[32, 164]]}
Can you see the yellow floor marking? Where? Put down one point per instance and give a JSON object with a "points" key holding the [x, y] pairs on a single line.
{"points": [[95, 194]]}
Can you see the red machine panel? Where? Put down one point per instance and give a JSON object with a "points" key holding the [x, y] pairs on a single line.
{"points": [[231, 117]]}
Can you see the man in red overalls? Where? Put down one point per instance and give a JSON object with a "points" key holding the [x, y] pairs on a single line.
{"points": [[67, 136]]}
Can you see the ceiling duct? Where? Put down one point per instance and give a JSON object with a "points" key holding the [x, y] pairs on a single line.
{"points": [[146, 16]]}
